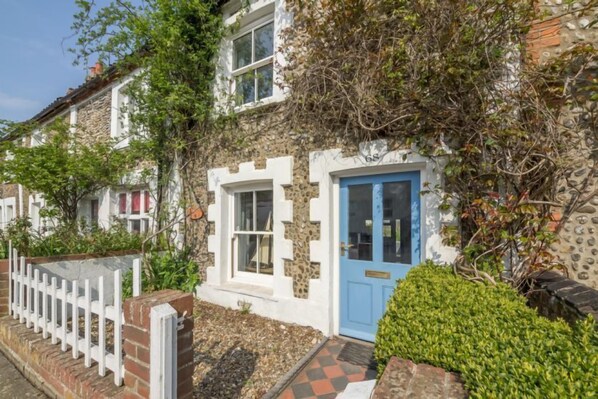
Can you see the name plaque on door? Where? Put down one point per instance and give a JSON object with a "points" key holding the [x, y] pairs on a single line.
{"points": [[377, 274]]}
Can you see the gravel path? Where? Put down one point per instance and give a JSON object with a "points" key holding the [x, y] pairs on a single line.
{"points": [[240, 355]]}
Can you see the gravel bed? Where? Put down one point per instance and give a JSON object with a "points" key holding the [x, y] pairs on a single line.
{"points": [[242, 355]]}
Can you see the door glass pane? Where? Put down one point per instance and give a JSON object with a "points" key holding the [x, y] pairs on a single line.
{"points": [[244, 217], [247, 256], [264, 42], [242, 51], [264, 210], [265, 254], [360, 222], [396, 223], [265, 82]]}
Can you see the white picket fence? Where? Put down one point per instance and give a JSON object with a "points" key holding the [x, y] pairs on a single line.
{"points": [[51, 306]]}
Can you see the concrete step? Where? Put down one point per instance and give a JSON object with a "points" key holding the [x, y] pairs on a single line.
{"points": [[358, 390]]}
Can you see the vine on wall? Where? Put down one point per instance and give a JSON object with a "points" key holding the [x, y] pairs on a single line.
{"points": [[453, 74]]}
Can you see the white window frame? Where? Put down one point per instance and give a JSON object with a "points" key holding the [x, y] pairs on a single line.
{"points": [[253, 66], [258, 12], [235, 274], [143, 216], [119, 121]]}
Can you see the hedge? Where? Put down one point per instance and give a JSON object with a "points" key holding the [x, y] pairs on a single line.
{"points": [[501, 347]]}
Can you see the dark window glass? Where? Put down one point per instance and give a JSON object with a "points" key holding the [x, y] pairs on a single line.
{"points": [[264, 42], [265, 82], [242, 51], [264, 210], [360, 222], [396, 226]]}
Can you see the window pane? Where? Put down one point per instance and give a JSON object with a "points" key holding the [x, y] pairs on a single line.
{"points": [[95, 206], [136, 202], [242, 51], [244, 212], [264, 210], [245, 88], [396, 227], [265, 254], [264, 42], [360, 222], [265, 81], [135, 226], [122, 203], [247, 256], [146, 202]]}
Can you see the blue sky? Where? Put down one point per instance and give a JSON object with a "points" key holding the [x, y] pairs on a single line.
{"points": [[35, 67]]}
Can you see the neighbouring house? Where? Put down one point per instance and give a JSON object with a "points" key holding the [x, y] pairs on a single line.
{"points": [[305, 227], [96, 110]]}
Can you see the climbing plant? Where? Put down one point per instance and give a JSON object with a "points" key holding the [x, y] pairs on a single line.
{"points": [[167, 49], [455, 79]]}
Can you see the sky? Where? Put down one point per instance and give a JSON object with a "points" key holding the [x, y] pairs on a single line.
{"points": [[35, 66]]}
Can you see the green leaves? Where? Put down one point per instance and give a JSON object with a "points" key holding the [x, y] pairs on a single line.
{"points": [[63, 169], [486, 333]]}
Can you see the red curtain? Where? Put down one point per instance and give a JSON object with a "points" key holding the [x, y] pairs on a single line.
{"points": [[136, 202], [122, 203]]}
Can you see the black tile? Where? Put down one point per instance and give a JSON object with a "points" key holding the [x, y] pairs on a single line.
{"points": [[339, 383], [302, 390], [326, 361], [370, 374], [316, 374], [349, 368]]}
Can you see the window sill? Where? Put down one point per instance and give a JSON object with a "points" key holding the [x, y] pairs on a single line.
{"points": [[257, 291], [255, 105]]}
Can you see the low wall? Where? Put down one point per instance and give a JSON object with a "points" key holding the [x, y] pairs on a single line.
{"points": [[91, 269], [80, 267], [556, 296]]}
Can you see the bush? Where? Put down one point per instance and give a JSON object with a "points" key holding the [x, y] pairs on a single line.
{"points": [[168, 270], [67, 239], [501, 347]]}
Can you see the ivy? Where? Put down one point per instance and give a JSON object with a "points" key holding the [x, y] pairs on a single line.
{"points": [[457, 75]]}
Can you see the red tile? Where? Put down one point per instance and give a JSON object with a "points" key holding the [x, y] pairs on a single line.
{"points": [[302, 377], [322, 387], [333, 371], [287, 394], [356, 377], [323, 352], [313, 364]]}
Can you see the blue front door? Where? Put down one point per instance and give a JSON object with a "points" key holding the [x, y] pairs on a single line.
{"points": [[380, 242]]}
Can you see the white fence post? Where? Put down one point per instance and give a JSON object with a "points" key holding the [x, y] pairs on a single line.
{"points": [[53, 312], [75, 319], [163, 352], [22, 290], [136, 277], [10, 277], [36, 290], [101, 328], [118, 321], [64, 316], [45, 305], [28, 296]]}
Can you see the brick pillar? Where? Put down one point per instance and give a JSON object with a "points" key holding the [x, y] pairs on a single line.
{"points": [[4, 287], [137, 342]]}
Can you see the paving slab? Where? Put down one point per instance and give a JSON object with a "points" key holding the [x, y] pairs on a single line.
{"points": [[13, 384]]}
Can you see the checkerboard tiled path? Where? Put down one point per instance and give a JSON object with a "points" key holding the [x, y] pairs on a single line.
{"points": [[324, 376]]}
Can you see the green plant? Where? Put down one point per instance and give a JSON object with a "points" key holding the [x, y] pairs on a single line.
{"points": [[502, 348], [166, 270], [66, 239], [63, 169], [244, 307]]}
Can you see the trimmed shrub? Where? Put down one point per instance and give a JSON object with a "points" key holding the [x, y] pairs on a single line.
{"points": [[501, 347]]}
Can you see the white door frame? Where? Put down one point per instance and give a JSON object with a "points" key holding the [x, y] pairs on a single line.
{"points": [[326, 169]]}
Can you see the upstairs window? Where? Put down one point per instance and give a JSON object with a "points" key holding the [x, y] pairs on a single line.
{"points": [[253, 62]]}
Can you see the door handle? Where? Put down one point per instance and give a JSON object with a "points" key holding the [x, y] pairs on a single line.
{"points": [[344, 247]]}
